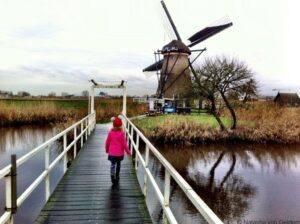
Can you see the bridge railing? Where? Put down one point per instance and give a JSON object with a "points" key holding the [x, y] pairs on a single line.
{"points": [[170, 172], [12, 202]]}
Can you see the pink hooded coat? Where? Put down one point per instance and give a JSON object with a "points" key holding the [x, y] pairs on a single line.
{"points": [[115, 143]]}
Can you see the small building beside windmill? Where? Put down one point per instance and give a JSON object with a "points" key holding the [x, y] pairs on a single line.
{"points": [[287, 99]]}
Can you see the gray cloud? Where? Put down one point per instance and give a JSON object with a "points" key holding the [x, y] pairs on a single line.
{"points": [[44, 47], [42, 30], [45, 77]]}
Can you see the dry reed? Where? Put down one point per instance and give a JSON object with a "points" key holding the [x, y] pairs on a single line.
{"points": [[48, 112], [261, 123], [114, 108], [38, 113], [270, 123]]}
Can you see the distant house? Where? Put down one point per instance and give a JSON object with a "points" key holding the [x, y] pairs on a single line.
{"points": [[287, 99], [23, 94], [5, 94], [103, 94], [69, 96]]}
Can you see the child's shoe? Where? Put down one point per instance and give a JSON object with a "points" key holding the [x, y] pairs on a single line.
{"points": [[113, 180]]}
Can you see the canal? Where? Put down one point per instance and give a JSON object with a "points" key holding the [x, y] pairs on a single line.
{"points": [[20, 141], [239, 182]]}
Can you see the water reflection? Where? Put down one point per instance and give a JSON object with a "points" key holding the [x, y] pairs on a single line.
{"points": [[239, 182], [228, 193], [20, 141]]}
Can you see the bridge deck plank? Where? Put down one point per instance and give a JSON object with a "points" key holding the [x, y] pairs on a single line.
{"points": [[86, 195]]}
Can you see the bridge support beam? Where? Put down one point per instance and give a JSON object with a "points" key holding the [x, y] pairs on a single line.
{"points": [[124, 98], [122, 85]]}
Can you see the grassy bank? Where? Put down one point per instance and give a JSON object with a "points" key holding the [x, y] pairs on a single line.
{"points": [[19, 112], [150, 124], [258, 123]]}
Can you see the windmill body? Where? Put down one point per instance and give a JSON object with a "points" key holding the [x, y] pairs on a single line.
{"points": [[175, 80]]}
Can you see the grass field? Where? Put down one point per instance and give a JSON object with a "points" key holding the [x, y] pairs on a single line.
{"points": [[150, 123]]}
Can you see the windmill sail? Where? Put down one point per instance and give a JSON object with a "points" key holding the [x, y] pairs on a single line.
{"points": [[154, 67], [209, 31], [174, 78], [170, 20]]}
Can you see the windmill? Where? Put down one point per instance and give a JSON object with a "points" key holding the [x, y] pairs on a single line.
{"points": [[173, 70]]}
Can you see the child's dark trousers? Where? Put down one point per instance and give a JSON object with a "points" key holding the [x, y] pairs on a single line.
{"points": [[115, 167]]}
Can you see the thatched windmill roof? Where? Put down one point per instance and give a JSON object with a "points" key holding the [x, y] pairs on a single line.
{"points": [[176, 46]]}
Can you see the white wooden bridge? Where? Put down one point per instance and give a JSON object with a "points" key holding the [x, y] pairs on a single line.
{"points": [[85, 194]]}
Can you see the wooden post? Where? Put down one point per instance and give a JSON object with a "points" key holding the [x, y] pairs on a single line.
{"points": [[47, 180], [88, 125], [137, 149], [89, 104], [13, 174], [131, 144], [11, 189], [145, 174], [64, 150], [81, 132], [166, 194], [75, 144], [125, 125], [92, 99], [86, 131], [124, 99], [90, 118], [128, 133], [94, 121], [8, 193]]}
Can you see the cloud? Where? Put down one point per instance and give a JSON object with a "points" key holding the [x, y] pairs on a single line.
{"points": [[58, 76], [44, 30], [56, 45]]}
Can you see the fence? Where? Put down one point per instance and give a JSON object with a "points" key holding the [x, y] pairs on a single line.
{"points": [[170, 172], [12, 201]]}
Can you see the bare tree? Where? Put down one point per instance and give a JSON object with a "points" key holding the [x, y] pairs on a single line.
{"points": [[249, 90], [205, 87], [225, 76]]}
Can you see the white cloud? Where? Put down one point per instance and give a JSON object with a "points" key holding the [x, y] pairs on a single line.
{"points": [[53, 45]]}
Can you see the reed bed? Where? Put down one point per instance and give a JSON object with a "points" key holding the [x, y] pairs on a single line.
{"points": [[26, 112], [39, 113], [270, 123], [106, 109], [258, 123]]}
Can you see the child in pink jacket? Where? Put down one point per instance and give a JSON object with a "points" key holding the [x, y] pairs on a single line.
{"points": [[115, 145]]}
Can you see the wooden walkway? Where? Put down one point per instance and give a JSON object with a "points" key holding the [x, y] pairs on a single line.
{"points": [[85, 193]]}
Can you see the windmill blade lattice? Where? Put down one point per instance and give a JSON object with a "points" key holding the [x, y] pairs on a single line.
{"points": [[165, 22], [210, 31]]}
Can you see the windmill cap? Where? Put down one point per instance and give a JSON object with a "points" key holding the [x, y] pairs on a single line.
{"points": [[176, 46]]}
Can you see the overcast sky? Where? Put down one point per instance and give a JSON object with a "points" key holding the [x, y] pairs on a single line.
{"points": [[58, 45]]}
